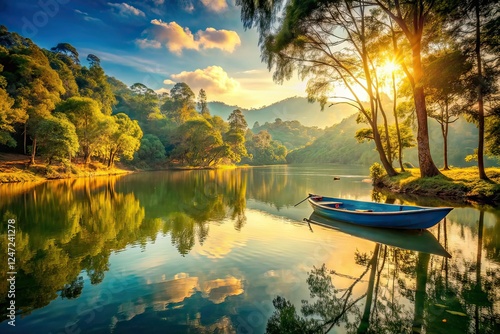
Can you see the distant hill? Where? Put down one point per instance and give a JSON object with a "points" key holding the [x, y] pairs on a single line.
{"points": [[291, 109], [338, 145], [291, 134]]}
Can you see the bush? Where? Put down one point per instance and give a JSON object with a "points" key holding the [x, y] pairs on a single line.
{"points": [[376, 172]]}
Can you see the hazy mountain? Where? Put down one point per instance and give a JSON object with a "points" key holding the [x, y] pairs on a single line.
{"points": [[338, 145], [291, 109]]}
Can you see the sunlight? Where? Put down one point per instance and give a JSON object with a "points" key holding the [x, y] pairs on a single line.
{"points": [[388, 68]]}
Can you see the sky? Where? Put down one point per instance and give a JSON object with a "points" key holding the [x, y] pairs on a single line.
{"points": [[158, 43]]}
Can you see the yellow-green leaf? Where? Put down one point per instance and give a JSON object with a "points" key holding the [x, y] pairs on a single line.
{"points": [[457, 313]]}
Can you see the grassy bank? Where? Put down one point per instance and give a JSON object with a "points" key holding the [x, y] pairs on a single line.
{"points": [[459, 183], [15, 168]]}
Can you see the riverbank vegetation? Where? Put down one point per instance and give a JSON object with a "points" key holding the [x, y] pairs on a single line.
{"points": [[455, 183]]}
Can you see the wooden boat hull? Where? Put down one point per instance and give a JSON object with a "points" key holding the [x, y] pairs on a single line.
{"points": [[420, 241], [378, 214]]}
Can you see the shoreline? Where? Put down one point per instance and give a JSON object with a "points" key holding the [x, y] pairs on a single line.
{"points": [[457, 185]]}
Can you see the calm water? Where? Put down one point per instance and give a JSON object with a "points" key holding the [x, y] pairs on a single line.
{"points": [[226, 252]]}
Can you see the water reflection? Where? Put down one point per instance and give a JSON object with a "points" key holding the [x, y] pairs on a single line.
{"points": [[237, 239], [398, 291]]}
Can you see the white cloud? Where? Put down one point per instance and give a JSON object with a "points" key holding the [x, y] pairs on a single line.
{"points": [[213, 79], [162, 90], [215, 5], [126, 10], [87, 17], [177, 38], [80, 12], [147, 43], [188, 6], [223, 39], [168, 82], [174, 36], [252, 72]]}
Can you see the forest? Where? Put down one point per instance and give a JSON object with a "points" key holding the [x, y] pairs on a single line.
{"points": [[439, 71], [55, 108]]}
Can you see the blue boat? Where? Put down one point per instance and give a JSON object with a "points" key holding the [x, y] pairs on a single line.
{"points": [[377, 214]]}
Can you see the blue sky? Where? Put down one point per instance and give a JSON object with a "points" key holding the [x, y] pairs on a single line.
{"points": [[158, 43]]}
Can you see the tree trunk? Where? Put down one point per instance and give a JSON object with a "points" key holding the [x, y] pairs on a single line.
{"points": [[480, 101], [111, 161], [25, 139], [33, 152], [365, 319], [426, 164], [445, 146], [394, 110], [420, 293], [383, 157], [86, 155]]}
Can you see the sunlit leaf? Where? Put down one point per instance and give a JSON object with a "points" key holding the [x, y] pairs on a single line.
{"points": [[457, 313]]}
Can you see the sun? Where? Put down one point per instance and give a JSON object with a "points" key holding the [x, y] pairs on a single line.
{"points": [[388, 68]]}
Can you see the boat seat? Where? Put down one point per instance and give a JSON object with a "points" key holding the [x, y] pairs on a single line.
{"points": [[336, 204]]}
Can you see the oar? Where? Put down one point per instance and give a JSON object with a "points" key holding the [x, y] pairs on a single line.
{"points": [[304, 199], [308, 223]]}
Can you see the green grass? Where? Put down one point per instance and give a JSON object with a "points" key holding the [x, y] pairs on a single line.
{"points": [[18, 175], [461, 183], [40, 172]]}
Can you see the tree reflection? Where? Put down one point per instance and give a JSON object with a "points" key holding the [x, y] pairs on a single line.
{"points": [[66, 227], [332, 306], [398, 291]]}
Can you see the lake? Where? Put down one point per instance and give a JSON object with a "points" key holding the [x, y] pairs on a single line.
{"points": [[226, 251]]}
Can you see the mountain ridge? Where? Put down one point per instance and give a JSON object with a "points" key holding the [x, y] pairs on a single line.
{"points": [[290, 109]]}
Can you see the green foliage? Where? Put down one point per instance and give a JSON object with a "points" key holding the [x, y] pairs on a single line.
{"points": [[198, 144], [92, 82], [291, 134], [152, 150], [57, 138], [180, 107], [376, 172], [9, 116], [86, 115], [336, 145], [202, 103], [405, 133], [262, 150], [125, 140]]}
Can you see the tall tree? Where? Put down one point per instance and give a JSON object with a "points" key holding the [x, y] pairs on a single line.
{"points": [[475, 24], [181, 105], [197, 143], [67, 50], [57, 138], [235, 137], [9, 116], [33, 84], [445, 86], [92, 82], [328, 42], [413, 18], [202, 103], [86, 115], [126, 140]]}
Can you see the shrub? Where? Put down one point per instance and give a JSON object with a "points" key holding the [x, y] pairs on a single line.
{"points": [[376, 172]]}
